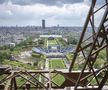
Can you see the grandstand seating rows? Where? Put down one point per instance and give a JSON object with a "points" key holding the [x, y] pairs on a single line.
{"points": [[59, 49]]}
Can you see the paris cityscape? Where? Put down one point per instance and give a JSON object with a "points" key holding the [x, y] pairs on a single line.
{"points": [[54, 45]]}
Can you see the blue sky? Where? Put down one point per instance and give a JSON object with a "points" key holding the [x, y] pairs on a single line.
{"points": [[31, 12]]}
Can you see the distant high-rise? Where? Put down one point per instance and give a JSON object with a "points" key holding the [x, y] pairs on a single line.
{"points": [[43, 24]]}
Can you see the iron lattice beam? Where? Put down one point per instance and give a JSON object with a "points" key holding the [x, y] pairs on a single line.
{"points": [[95, 45]]}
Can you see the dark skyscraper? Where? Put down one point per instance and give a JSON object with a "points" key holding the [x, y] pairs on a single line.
{"points": [[43, 24]]}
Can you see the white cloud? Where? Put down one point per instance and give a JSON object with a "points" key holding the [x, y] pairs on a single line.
{"points": [[68, 14]]}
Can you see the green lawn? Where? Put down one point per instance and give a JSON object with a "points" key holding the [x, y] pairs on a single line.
{"points": [[57, 64], [52, 42], [61, 42], [58, 79], [15, 64], [69, 56]]}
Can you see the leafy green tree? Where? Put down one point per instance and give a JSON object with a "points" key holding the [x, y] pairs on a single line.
{"points": [[41, 41], [3, 56], [72, 40]]}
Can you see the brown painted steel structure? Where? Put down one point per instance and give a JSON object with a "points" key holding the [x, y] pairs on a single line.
{"points": [[80, 80]]}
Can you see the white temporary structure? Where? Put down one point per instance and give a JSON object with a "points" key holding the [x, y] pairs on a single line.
{"points": [[54, 36]]}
